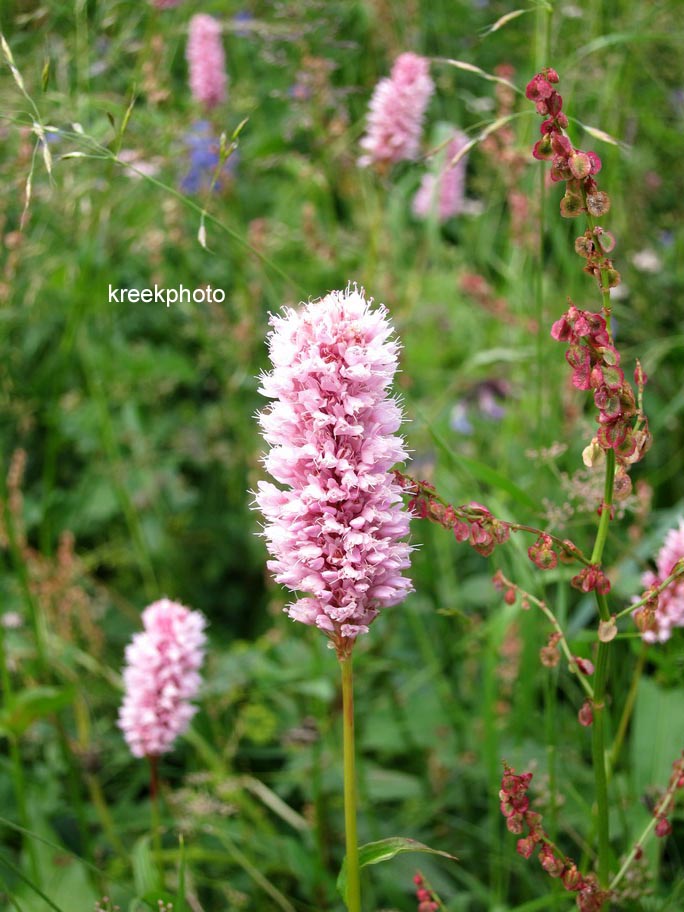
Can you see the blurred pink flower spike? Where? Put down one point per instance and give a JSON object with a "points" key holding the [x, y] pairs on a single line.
{"points": [[443, 191], [396, 111], [206, 61], [337, 529], [161, 677]]}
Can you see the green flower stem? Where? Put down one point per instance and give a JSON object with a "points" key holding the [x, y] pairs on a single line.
{"points": [[665, 801], [156, 817], [604, 521], [352, 842], [598, 744], [563, 643], [599, 761]]}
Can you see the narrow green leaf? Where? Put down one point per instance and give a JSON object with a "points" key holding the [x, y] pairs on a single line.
{"points": [[29, 705], [385, 850], [504, 20], [597, 133], [144, 870], [29, 883], [179, 902], [471, 68], [486, 473]]}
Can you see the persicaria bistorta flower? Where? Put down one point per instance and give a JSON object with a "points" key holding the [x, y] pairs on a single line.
{"points": [[396, 111], [161, 677], [444, 192], [336, 530], [206, 61], [669, 612]]}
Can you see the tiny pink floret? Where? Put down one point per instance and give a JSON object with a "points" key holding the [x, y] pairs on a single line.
{"points": [[396, 111], [670, 610], [206, 61], [336, 529], [161, 677]]}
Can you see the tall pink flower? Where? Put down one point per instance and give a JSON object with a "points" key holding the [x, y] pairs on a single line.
{"points": [[206, 61], [396, 112], [444, 192], [336, 530], [161, 677], [670, 610]]}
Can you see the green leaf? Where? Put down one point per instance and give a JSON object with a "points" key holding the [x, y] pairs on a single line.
{"points": [[385, 850], [657, 734], [30, 705], [145, 874], [486, 473]]}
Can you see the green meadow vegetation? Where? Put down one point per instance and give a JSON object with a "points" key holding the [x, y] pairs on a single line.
{"points": [[130, 451]]}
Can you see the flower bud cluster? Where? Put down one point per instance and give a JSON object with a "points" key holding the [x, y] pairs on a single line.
{"points": [[515, 806], [585, 716], [568, 164], [549, 655], [590, 578], [595, 363], [472, 523], [577, 169], [541, 553], [424, 895], [545, 552]]}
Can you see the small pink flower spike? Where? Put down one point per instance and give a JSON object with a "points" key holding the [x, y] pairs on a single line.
{"points": [[206, 61], [670, 610], [161, 677], [336, 528], [445, 191], [396, 112]]}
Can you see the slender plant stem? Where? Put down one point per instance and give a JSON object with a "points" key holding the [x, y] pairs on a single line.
{"points": [[156, 816], [352, 843], [562, 642], [599, 761], [600, 679]]}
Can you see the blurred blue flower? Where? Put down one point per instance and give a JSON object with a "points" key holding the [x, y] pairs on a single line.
{"points": [[243, 17], [458, 420], [203, 148], [484, 398]]}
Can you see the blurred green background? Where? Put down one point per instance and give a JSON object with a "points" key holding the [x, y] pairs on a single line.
{"points": [[129, 445]]}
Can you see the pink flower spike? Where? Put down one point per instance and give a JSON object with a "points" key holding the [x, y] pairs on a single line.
{"points": [[444, 192], [336, 529], [206, 61], [161, 677], [396, 112]]}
